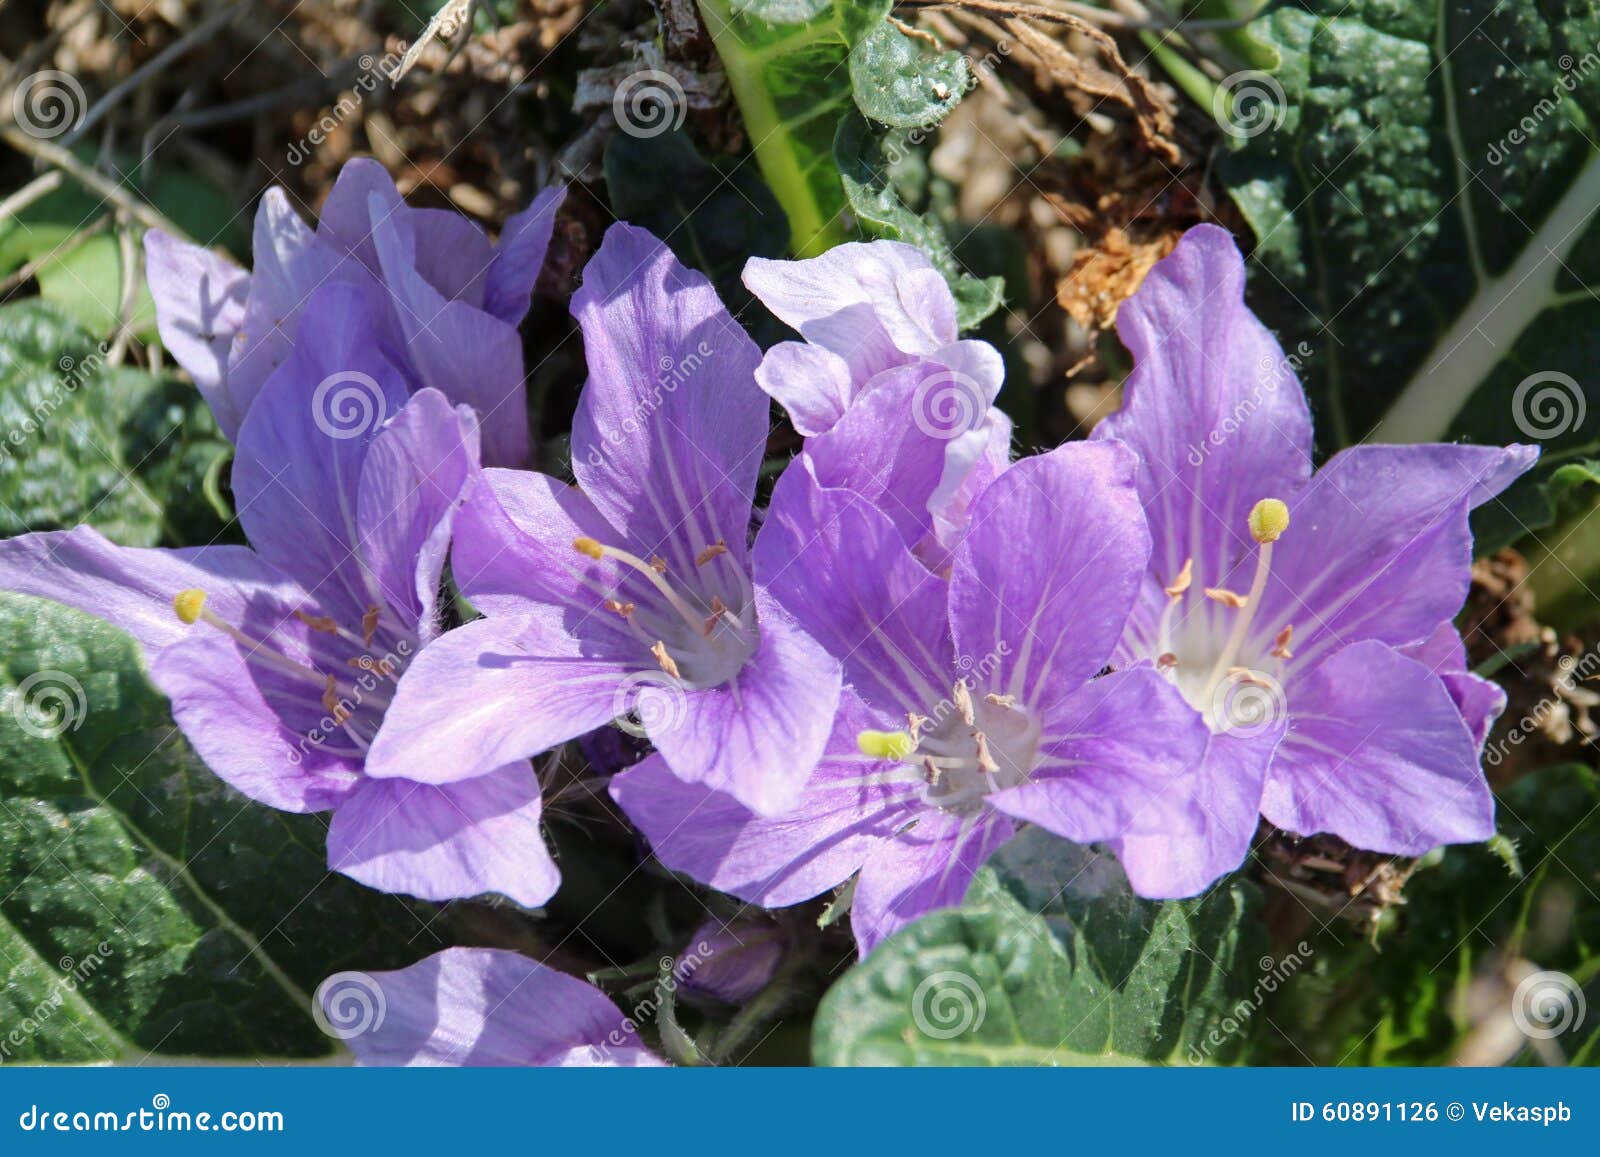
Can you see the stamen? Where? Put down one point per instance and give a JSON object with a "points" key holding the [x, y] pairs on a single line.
{"points": [[1280, 645], [896, 745], [962, 698], [1000, 700], [369, 625], [711, 552], [1227, 598], [1166, 661], [668, 664], [718, 609], [1184, 580], [188, 605], [1269, 518], [617, 607], [653, 570], [331, 704], [323, 623]]}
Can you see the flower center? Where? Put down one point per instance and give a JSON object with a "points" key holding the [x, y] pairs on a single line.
{"points": [[1224, 668], [964, 750], [699, 631]]}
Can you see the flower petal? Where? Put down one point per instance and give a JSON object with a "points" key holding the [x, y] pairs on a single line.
{"points": [[200, 300], [671, 427], [448, 841], [1377, 754], [813, 385], [479, 1006], [517, 260], [1480, 701]]}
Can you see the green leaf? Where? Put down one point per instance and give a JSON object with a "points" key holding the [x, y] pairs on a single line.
{"points": [[84, 441], [714, 221], [787, 63], [1421, 179], [148, 907], [900, 81], [1053, 961], [866, 159]]}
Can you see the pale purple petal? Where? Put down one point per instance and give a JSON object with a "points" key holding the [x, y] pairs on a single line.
{"points": [[671, 427], [921, 870], [851, 803], [363, 198], [199, 299], [479, 1006], [1480, 700], [1378, 755], [517, 260], [491, 692], [813, 385], [453, 254], [758, 736], [838, 565], [1212, 407], [448, 841], [1044, 579]]}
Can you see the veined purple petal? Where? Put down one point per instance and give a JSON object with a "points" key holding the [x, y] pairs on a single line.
{"points": [[1377, 754], [840, 567], [671, 427], [519, 257], [479, 1006], [813, 385], [1212, 407], [759, 735], [1480, 701], [363, 198], [199, 300], [1043, 581], [446, 841]]}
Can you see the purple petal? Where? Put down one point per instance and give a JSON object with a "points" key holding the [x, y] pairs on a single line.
{"points": [[289, 265], [363, 199], [1378, 755], [491, 692], [1378, 546], [731, 962], [453, 254], [838, 565], [412, 479], [199, 309], [1212, 408], [1047, 572], [515, 267], [1480, 701], [758, 736], [448, 841], [1120, 754], [972, 462], [478, 1006], [1193, 836], [851, 803], [468, 355], [921, 870], [671, 426], [301, 450], [813, 385]]}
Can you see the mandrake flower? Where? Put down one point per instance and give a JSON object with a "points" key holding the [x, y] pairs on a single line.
{"points": [[481, 1007], [633, 595], [450, 301], [280, 657], [1306, 617], [973, 702]]}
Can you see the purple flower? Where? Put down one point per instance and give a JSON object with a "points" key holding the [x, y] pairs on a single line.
{"points": [[1306, 618], [729, 962], [882, 356], [452, 301], [280, 658], [633, 595], [972, 701], [478, 1006]]}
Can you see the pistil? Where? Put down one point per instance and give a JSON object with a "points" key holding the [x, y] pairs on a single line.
{"points": [[1269, 518]]}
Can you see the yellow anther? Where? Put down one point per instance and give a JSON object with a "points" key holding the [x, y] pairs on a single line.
{"points": [[1269, 518], [1280, 645], [1183, 581], [1226, 597], [895, 745], [590, 547], [667, 662], [189, 605]]}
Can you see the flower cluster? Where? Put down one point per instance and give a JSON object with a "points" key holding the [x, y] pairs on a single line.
{"points": [[918, 647]]}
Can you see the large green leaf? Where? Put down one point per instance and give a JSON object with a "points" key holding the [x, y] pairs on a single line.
{"points": [[1421, 178], [1053, 961], [147, 907], [84, 441], [787, 63]]}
